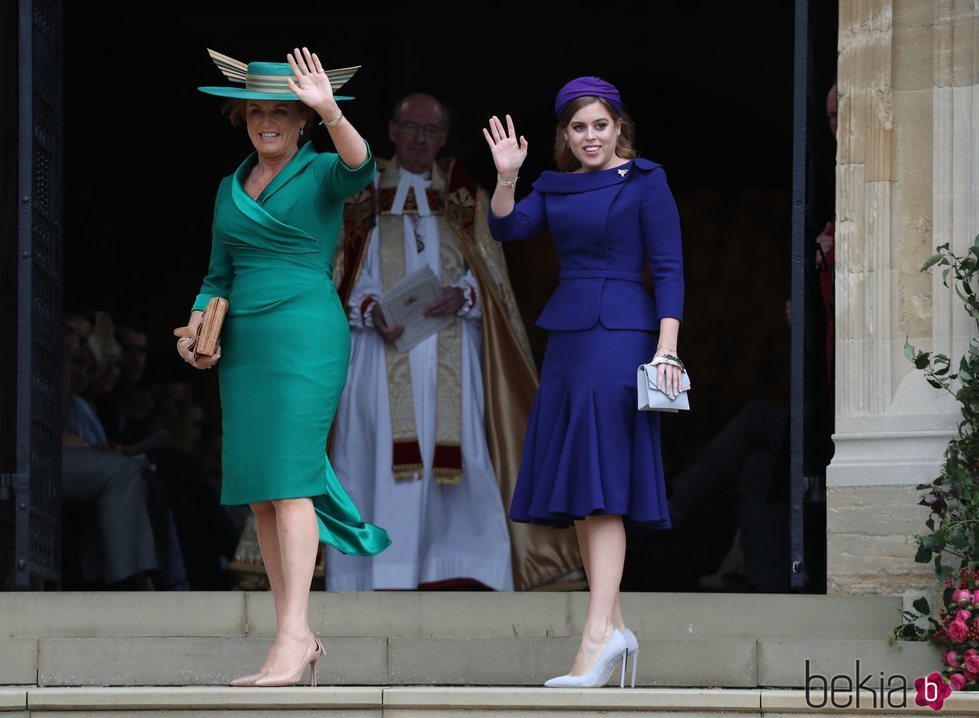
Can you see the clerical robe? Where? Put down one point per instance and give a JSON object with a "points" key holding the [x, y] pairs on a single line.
{"points": [[427, 442]]}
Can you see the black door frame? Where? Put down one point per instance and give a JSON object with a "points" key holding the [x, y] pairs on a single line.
{"points": [[30, 453], [811, 401]]}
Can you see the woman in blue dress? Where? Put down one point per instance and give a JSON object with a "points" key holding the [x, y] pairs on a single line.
{"points": [[591, 459]]}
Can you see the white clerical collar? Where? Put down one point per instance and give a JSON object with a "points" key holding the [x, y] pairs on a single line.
{"points": [[419, 183]]}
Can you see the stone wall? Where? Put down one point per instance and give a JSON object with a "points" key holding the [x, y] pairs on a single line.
{"points": [[907, 181]]}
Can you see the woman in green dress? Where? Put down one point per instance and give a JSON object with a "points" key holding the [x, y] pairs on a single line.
{"points": [[285, 343]]}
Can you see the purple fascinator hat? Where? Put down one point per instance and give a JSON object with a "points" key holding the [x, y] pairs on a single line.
{"points": [[587, 87]]}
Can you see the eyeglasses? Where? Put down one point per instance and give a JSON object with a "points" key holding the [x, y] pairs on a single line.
{"points": [[430, 131]]}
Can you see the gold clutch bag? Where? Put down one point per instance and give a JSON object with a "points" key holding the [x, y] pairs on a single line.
{"points": [[205, 344], [209, 331]]}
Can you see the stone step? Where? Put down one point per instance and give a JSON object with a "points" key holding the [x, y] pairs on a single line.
{"points": [[447, 615], [514, 661], [418, 702]]}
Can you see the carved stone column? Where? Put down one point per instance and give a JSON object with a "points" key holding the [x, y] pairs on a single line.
{"points": [[907, 166]]}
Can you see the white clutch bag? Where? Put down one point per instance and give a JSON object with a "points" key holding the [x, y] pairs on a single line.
{"points": [[652, 399]]}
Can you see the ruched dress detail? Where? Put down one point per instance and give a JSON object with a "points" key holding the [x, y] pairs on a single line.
{"points": [[285, 344]]}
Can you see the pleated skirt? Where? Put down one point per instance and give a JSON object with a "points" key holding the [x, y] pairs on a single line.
{"points": [[588, 450]]}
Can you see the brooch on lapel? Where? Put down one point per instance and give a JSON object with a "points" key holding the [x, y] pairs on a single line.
{"points": [[623, 173]]}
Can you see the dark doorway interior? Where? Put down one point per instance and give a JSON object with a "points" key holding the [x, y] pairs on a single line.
{"points": [[709, 86]]}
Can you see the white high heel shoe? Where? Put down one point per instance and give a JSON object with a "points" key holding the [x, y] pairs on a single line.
{"points": [[615, 652], [632, 644]]}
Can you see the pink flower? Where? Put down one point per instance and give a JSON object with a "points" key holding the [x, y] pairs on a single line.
{"points": [[975, 599], [958, 631], [957, 681], [963, 616], [970, 652], [972, 664], [952, 659], [961, 597], [969, 675]]}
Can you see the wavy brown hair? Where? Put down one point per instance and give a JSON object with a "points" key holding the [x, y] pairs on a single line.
{"points": [[563, 156]]}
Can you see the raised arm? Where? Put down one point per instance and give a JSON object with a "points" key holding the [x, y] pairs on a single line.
{"points": [[509, 154], [524, 221], [312, 86], [509, 221], [338, 179]]}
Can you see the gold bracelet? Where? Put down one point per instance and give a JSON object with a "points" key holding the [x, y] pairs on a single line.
{"points": [[333, 123], [509, 184]]}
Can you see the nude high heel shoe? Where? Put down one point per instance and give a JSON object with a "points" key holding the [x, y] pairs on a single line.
{"points": [[248, 680], [313, 654], [615, 652]]}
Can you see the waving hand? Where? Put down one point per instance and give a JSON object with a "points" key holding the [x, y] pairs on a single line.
{"points": [[509, 152], [310, 83]]}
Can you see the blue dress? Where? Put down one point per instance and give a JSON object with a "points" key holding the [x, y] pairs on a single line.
{"points": [[588, 450]]}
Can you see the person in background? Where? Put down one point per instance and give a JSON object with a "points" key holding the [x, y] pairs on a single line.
{"points": [[117, 546], [426, 440]]}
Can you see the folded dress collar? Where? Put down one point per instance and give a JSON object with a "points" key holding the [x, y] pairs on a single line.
{"points": [[551, 182], [297, 164]]}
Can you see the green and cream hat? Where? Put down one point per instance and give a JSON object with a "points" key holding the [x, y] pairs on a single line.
{"points": [[267, 80]]}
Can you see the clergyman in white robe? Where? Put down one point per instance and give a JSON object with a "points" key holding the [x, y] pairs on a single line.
{"points": [[440, 531]]}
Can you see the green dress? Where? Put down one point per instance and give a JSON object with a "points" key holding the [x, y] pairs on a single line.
{"points": [[285, 344]]}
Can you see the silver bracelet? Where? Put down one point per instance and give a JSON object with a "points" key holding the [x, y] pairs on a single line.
{"points": [[509, 184], [670, 359]]}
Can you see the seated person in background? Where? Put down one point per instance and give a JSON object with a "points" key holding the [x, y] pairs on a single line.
{"points": [[156, 423], [207, 534], [118, 550], [748, 453], [126, 409]]}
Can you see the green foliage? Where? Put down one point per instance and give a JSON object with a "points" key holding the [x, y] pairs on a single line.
{"points": [[911, 631], [953, 496]]}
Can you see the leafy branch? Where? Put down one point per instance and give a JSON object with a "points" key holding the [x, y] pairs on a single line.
{"points": [[953, 496]]}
